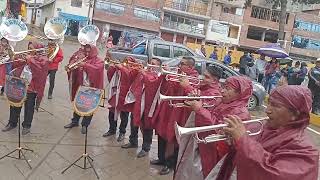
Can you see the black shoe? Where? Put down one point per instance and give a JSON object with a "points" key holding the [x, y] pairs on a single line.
{"points": [[25, 131], [8, 128], [83, 130], [157, 162], [50, 96], [129, 145], [165, 170], [121, 137], [109, 133], [142, 153], [71, 125]]}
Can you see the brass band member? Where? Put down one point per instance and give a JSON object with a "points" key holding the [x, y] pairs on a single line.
{"points": [[144, 89], [165, 115], [35, 70], [89, 73], [5, 68], [282, 151], [235, 95], [126, 76], [53, 67]]}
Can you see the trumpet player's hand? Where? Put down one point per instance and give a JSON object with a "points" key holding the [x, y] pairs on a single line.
{"points": [[194, 105], [195, 93], [236, 128], [184, 82]]}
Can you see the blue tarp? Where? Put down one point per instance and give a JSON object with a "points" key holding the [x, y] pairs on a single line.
{"points": [[72, 17]]}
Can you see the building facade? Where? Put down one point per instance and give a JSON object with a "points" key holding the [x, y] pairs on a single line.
{"points": [[125, 20], [306, 35], [76, 13]]}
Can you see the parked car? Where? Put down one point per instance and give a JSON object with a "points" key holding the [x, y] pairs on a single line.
{"points": [[150, 48], [259, 93]]}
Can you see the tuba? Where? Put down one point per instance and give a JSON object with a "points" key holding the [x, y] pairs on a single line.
{"points": [[13, 30], [89, 35], [55, 28]]}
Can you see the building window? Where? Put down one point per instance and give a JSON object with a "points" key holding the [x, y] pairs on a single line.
{"points": [[108, 7], [192, 6], [306, 43], [161, 50], [76, 3], [183, 24], [147, 14], [233, 10], [179, 51], [307, 26], [267, 14], [262, 34]]}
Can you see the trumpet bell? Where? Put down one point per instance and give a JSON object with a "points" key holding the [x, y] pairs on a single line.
{"points": [[13, 30], [89, 35], [55, 28]]}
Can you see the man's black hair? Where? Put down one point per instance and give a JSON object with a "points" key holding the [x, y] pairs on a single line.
{"points": [[215, 71], [157, 59], [191, 60]]}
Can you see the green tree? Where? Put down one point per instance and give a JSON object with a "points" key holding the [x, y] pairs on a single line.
{"points": [[283, 4]]}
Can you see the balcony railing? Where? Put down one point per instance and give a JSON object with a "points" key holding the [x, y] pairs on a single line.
{"points": [[194, 7], [183, 27]]}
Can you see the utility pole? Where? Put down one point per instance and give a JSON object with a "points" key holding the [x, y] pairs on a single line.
{"points": [[91, 5], [34, 13]]}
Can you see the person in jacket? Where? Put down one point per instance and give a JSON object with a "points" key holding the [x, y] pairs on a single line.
{"points": [[53, 67], [34, 70]]}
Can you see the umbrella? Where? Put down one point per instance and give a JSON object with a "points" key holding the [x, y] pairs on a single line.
{"points": [[273, 51]]}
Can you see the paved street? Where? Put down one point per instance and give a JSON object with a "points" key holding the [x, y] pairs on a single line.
{"points": [[54, 147]]}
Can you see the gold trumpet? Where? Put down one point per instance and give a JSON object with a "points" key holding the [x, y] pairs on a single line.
{"points": [[75, 65], [181, 131], [187, 98], [175, 77]]}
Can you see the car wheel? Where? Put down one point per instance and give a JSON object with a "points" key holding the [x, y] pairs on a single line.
{"points": [[253, 102]]}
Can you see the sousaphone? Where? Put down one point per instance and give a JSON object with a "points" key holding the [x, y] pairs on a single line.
{"points": [[89, 35], [55, 28], [13, 30]]}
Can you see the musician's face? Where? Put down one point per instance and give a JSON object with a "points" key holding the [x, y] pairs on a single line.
{"points": [[229, 94], [278, 114], [154, 62], [208, 78], [318, 64], [87, 51], [184, 65]]}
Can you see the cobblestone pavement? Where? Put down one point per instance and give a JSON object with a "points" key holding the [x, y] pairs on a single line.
{"points": [[55, 147]]}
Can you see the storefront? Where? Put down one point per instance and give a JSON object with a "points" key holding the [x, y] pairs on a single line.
{"points": [[75, 23]]}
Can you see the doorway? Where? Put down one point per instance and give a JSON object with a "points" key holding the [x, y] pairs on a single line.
{"points": [[115, 35]]}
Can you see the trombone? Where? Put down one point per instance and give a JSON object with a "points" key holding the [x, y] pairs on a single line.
{"points": [[186, 98], [175, 77], [181, 131]]}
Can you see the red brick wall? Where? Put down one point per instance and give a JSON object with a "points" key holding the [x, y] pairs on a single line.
{"points": [[308, 17], [167, 36], [127, 19], [155, 4], [179, 39]]}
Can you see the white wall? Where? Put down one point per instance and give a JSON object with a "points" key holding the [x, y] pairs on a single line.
{"points": [[223, 35], [65, 6]]}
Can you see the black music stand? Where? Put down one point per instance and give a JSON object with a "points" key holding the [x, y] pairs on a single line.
{"points": [[19, 149], [85, 156]]}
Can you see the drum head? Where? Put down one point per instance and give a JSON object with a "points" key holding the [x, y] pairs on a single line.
{"points": [[89, 35], [55, 28], [87, 100], [13, 30], [15, 90]]}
